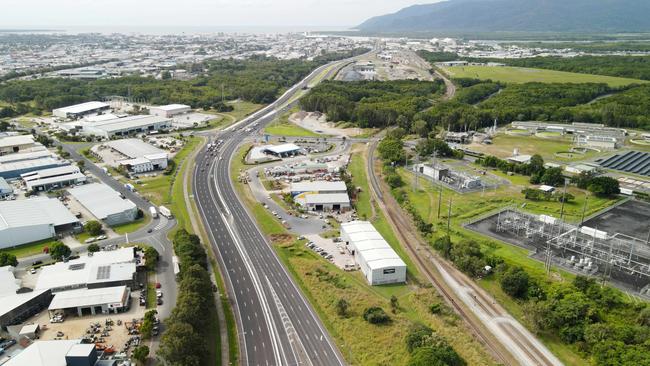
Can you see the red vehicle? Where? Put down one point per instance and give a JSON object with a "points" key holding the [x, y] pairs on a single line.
{"points": [[158, 285]]}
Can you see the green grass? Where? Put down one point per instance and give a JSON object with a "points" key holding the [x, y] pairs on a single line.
{"points": [[151, 292], [29, 249], [132, 226], [82, 237], [518, 75], [288, 129], [360, 342]]}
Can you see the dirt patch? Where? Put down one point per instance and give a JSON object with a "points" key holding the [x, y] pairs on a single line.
{"points": [[282, 239], [317, 122]]}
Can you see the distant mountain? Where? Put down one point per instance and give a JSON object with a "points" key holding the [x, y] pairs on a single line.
{"points": [[575, 16]]}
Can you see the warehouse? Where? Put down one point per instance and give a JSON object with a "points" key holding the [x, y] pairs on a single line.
{"points": [[379, 263], [15, 144], [140, 156], [103, 269], [17, 305], [15, 169], [6, 190], [169, 110], [34, 219], [79, 110], [105, 203], [324, 202], [127, 126], [318, 187], [47, 179], [85, 301], [56, 353], [34, 153]]}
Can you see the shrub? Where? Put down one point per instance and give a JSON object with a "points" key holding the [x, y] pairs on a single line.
{"points": [[376, 315]]}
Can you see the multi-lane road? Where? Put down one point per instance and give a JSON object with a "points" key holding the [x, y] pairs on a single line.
{"points": [[277, 326]]}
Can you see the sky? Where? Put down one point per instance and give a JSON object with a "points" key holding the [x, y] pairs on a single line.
{"points": [[214, 13]]}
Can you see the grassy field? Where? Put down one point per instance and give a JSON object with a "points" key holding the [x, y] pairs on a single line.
{"points": [[467, 206], [324, 284], [282, 127], [520, 75], [132, 226], [503, 146], [29, 249]]}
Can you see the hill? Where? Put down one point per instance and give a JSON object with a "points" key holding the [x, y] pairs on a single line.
{"points": [[561, 16]]}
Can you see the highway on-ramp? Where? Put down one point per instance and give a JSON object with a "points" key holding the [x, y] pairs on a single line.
{"points": [[277, 325]]}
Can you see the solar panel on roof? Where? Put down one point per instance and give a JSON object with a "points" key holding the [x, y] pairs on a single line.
{"points": [[77, 266], [103, 272]]}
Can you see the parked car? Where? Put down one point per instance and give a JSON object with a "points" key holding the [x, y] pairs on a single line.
{"points": [[159, 301], [158, 285]]}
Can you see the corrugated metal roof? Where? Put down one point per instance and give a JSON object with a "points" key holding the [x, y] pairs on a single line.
{"points": [[88, 297], [101, 200], [318, 186], [44, 353], [82, 108], [333, 198], [16, 140], [134, 148], [128, 123], [370, 245], [34, 211]]}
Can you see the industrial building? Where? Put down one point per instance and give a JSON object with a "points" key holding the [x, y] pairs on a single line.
{"points": [[379, 263], [140, 156], [324, 202], [169, 110], [581, 168], [56, 353], [6, 190], [13, 170], [124, 126], [318, 187], [105, 203], [84, 301], [460, 181], [79, 110], [34, 219], [102, 269], [15, 144], [47, 179], [16, 304], [598, 142]]}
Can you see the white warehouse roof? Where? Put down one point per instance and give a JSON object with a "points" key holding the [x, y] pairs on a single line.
{"points": [[88, 297], [82, 108], [171, 107], [101, 200], [319, 186], [44, 353], [16, 140], [135, 148], [126, 123], [34, 211], [334, 198], [377, 253]]}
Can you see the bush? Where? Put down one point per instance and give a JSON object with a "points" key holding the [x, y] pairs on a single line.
{"points": [[93, 228], [376, 315], [7, 259], [342, 307], [93, 248], [515, 282], [151, 258], [59, 251]]}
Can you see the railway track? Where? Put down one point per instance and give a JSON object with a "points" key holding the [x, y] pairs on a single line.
{"points": [[451, 300], [499, 349]]}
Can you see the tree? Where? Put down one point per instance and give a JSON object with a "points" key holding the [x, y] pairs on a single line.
{"points": [[375, 315], [148, 323], [416, 336], [421, 128], [553, 177], [151, 258], [394, 304], [59, 251], [180, 345], [7, 259], [536, 164], [391, 150], [644, 317], [397, 133], [443, 245], [140, 354], [515, 282], [93, 248], [166, 75], [342, 307], [436, 356], [604, 186], [93, 228]]}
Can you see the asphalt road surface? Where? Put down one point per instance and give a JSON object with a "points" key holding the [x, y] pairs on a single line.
{"points": [[277, 326]]}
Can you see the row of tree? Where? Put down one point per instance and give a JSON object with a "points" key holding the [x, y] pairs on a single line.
{"points": [[187, 337]]}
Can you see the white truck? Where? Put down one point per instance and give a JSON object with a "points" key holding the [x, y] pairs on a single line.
{"points": [[153, 212], [165, 212], [130, 187]]}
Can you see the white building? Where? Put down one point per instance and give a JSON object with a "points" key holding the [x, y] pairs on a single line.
{"points": [[324, 202], [105, 203], [14, 170], [84, 301], [80, 110], [102, 269], [47, 179], [14, 306], [55, 353], [34, 219], [123, 126], [597, 141], [378, 261], [283, 151], [140, 156], [15, 144], [169, 110], [318, 187]]}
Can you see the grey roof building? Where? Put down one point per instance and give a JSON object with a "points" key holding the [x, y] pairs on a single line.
{"points": [[105, 203]]}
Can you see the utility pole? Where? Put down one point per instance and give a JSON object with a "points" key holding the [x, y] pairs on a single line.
{"points": [[584, 209], [566, 182]]}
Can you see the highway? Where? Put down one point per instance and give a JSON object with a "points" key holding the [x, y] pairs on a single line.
{"points": [[277, 326]]}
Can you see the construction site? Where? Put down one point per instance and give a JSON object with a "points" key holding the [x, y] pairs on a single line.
{"points": [[615, 256]]}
